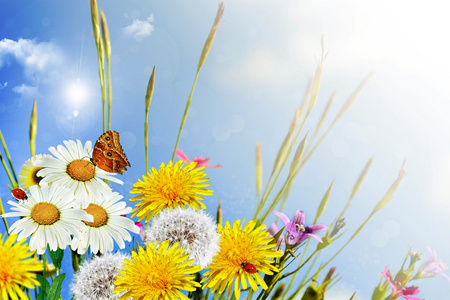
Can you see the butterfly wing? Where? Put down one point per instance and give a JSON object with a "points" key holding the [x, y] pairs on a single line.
{"points": [[108, 154]]}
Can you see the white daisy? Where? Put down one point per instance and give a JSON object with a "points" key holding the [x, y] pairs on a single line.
{"points": [[28, 172], [195, 231], [71, 168], [108, 224], [95, 279], [49, 216]]}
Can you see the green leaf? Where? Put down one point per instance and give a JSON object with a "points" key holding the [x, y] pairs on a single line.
{"points": [[45, 286], [276, 236], [56, 256], [55, 290]]}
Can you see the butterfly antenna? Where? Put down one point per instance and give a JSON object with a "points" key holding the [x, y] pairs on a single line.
{"points": [[89, 162]]}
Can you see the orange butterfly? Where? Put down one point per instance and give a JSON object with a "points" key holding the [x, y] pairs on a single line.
{"points": [[108, 154]]}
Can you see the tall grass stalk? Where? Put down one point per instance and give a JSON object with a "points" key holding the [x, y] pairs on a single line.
{"points": [[33, 129], [324, 116], [2, 211], [206, 49], [293, 171], [384, 200], [283, 154], [309, 101], [303, 106], [15, 183], [357, 186], [290, 178], [342, 112], [107, 44], [258, 170], [311, 265], [100, 55], [148, 102]]}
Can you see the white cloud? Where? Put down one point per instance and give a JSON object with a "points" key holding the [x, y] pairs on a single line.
{"points": [[140, 29], [39, 60], [25, 90], [2, 86]]}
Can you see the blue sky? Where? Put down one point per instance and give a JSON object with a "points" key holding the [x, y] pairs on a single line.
{"points": [[253, 80]]}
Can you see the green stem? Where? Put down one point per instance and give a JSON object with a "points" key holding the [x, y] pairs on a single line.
{"points": [[146, 140], [302, 282], [13, 183], [108, 63], [2, 211], [75, 261], [8, 157], [186, 111], [299, 263], [301, 266], [273, 180]]}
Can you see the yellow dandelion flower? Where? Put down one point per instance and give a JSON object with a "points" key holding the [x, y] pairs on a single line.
{"points": [[17, 268], [159, 272], [241, 246], [171, 186], [28, 172]]}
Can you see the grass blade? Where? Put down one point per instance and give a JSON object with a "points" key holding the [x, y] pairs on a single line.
{"points": [[205, 52], [107, 44], [33, 129], [14, 182], [258, 169], [148, 101], [100, 55], [357, 186], [323, 204]]}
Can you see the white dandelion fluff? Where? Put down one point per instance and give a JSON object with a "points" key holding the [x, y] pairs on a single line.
{"points": [[95, 279], [195, 232]]}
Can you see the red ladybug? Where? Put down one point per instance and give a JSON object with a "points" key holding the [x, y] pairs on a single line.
{"points": [[19, 194], [248, 267]]}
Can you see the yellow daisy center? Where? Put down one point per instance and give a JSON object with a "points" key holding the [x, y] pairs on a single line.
{"points": [[99, 214], [45, 213], [36, 179], [81, 170]]}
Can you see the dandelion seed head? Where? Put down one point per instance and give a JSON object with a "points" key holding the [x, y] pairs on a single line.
{"points": [[95, 279], [193, 230]]}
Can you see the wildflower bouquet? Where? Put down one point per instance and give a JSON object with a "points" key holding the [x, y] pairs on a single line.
{"points": [[163, 243]]}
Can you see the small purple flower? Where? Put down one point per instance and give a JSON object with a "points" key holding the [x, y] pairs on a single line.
{"points": [[432, 267], [296, 230]]}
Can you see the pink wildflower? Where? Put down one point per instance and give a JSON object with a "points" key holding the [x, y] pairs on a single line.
{"points": [[201, 161], [405, 291], [141, 229]]}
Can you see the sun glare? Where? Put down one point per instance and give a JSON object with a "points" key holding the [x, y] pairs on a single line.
{"points": [[77, 92]]}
